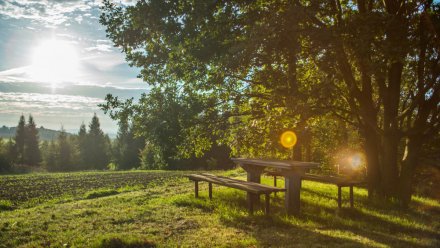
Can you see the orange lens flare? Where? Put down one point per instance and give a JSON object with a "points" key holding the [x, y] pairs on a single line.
{"points": [[288, 139]]}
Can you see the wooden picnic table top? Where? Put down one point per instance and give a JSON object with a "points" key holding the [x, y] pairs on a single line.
{"points": [[276, 163]]}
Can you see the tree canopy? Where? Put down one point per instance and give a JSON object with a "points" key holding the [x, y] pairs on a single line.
{"points": [[264, 66]]}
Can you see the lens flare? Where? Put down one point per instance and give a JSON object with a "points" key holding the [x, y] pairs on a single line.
{"points": [[356, 160], [288, 139]]}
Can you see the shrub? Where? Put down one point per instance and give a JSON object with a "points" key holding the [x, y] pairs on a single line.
{"points": [[100, 193]]}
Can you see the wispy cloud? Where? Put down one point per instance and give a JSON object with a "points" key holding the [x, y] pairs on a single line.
{"points": [[54, 109], [48, 12]]}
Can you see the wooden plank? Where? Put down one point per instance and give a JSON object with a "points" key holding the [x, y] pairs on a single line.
{"points": [[230, 181], [281, 164], [254, 188]]}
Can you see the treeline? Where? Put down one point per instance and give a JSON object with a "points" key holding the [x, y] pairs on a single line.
{"points": [[87, 150], [91, 149]]}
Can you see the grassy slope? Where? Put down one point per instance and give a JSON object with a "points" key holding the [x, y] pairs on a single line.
{"points": [[165, 213]]}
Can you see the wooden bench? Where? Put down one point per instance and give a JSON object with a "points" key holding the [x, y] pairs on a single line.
{"points": [[338, 181], [250, 187]]}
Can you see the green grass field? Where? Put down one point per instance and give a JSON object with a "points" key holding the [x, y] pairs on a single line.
{"points": [[158, 209]]}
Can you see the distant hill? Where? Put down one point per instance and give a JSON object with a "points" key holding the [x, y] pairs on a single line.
{"points": [[43, 133]]}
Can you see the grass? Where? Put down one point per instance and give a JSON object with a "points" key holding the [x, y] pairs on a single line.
{"points": [[164, 213]]}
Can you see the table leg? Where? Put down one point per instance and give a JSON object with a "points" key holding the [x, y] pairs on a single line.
{"points": [[351, 197], [339, 196], [292, 196], [253, 175]]}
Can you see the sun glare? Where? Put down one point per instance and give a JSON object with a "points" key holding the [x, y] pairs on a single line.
{"points": [[288, 139], [54, 61]]}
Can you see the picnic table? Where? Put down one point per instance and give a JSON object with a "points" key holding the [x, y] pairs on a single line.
{"points": [[292, 171]]}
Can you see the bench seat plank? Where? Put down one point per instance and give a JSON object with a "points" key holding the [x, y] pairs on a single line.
{"points": [[251, 187], [338, 181]]}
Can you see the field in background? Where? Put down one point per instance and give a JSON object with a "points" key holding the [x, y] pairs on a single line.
{"points": [[145, 209]]}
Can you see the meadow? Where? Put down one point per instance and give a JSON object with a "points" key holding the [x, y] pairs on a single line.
{"points": [[158, 209]]}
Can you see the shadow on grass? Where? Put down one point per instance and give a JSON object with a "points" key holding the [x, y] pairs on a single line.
{"points": [[122, 242], [320, 224], [371, 226]]}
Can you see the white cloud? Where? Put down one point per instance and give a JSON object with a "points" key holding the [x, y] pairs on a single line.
{"points": [[52, 110], [106, 61], [100, 48], [49, 12]]}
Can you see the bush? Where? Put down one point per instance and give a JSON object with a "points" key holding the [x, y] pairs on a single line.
{"points": [[100, 193], [6, 205], [5, 164]]}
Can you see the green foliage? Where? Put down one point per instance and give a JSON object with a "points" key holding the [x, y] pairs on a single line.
{"points": [[96, 146], [257, 68], [168, 120], [126, 148], [20, 139], [31, 154], [6, 205], [5, 162], [100, 193]]}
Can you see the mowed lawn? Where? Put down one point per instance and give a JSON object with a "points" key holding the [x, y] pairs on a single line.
{"points": [[158, 209]]}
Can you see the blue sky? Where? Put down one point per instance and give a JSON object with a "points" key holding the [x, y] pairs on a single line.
{"points": [[56, 63]]}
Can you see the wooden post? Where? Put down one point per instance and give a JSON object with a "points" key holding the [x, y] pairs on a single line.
{"points": [[351, 197], [250, 204], [292, 197], [275, 183], [196, 189], [339, 197], [267, 208], [210, 190]]}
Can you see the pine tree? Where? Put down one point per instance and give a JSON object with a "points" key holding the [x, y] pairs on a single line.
{"points": [[64, 151], [97, 146], [127, 148], [20, 136], [82, 145], [51, 157], [32, 154]]}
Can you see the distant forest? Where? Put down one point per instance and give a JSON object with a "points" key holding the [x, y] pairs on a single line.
{"points": [[27, 148], [44, 133]]}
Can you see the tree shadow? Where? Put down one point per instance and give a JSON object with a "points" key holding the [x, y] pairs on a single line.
{"points": [[397, 228]]}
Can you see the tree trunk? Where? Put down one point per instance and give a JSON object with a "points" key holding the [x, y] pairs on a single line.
{"points": [[372, 156], [412, 153], [389, 168]]}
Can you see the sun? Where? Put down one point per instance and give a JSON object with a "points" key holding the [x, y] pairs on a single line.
{"points": [[54, 61]]}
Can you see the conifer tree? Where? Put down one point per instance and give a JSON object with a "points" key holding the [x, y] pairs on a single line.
{"points": [[20, 135], [32, 154], [96, 146], [82, 144], [64, 151]]}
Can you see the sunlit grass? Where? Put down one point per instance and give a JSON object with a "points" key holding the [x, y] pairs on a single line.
{"points": [[167, 214]]}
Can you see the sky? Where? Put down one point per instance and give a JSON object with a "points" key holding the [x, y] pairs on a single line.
{"points": [[57, 64]]}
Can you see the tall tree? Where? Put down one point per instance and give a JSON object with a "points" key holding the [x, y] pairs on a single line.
{"points": [[64, 151], [374, 64], [96, 146], [20, 136], [82, 144], [32, 154]]}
